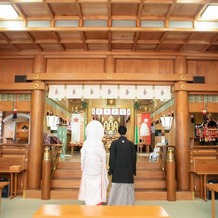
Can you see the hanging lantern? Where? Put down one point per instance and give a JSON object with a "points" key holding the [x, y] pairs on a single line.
{"points": [[172, 114], [204, 115], [14, 113], [192, 118], [166, 122], [14, 110]]}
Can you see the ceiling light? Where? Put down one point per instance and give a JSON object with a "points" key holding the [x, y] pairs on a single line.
{"points": [[210, 12], [7, 11]]}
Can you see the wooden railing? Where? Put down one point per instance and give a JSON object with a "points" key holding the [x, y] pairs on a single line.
{"points": [[164, 151], [167, 162], [50, 159]]}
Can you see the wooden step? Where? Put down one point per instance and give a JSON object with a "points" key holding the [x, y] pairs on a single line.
{"points": [[152, 174], [69, 165], [149, 184], [67, 173], [139, 183], [65, 193], [142, 195], [148, 165], [65, 183], [75, 173]]}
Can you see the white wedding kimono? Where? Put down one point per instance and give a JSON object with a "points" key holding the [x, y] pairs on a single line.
{"points": [[94, 181]]}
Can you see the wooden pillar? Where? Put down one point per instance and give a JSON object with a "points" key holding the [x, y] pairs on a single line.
{"points": [[182, 130], [36, 130], [36, 139], [182, 139]]}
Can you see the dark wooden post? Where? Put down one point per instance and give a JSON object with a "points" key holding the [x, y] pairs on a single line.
{"points": [[171, 187], [46, 174]]}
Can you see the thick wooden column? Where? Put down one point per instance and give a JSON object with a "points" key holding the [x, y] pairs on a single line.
{"points": [[36, 139], [36, 130], [182, 130], [182, 140]]}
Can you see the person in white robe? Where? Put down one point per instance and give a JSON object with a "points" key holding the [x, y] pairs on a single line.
{"points": [[94, 181]]}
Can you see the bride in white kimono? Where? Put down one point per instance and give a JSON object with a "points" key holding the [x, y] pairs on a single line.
{"points": [[94, 181]]}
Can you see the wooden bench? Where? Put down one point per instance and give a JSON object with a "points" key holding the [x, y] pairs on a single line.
{"points": [[203, 168], [2, 185], [73, 145], [203, 152], [13, 166], [77, 211], [14, 150], [140, 147]]}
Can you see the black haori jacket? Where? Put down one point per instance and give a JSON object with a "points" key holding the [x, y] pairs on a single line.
{"points": [[122, 161]]}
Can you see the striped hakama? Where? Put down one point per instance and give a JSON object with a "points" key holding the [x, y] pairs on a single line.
{"points": [[121, 194]]}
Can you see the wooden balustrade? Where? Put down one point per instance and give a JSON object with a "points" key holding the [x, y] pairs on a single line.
{"points": [[167, 161], [50, 160], [163, 157], [171, 178]]}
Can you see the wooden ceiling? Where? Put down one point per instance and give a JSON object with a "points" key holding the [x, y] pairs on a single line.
{"points": [[109, 26]]}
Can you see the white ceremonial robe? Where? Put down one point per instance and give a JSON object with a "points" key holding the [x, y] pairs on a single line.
{"points": [[94, 181]]}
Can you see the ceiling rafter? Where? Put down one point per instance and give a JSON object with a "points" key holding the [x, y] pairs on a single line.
{"points": [[211, 43], [59, 41], [48, 8], [5, 38], [135, 41], [9, 41], [186, 42], [19, 11], [32, 40], [78, 7], [114, 25], [163, 36]]}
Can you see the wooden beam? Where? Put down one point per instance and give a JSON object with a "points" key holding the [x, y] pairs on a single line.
{"points": [[196, 87], [147, 77], [22, 86]]}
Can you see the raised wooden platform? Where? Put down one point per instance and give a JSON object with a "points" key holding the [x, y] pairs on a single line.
{"points": [[77, 211], [150, 183]]}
